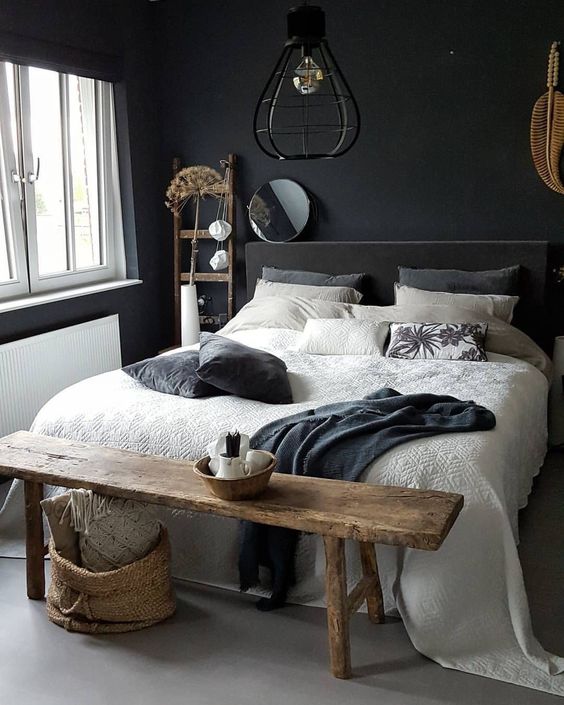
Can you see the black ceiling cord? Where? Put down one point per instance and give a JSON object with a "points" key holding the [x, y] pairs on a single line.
{"points": [[307, 109]]}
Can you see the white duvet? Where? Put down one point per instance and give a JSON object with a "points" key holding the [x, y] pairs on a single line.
{"points": [[463, 606]]}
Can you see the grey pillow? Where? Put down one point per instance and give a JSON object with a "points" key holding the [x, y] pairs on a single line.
{"points": [[458, 281], [173, 374], [293, 276], [243, 371]]}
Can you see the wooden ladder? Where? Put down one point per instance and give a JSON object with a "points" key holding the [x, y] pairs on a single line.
{"points": [[180, 234]]}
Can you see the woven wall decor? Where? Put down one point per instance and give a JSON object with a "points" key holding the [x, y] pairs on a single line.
{"points": [[547, 127]]}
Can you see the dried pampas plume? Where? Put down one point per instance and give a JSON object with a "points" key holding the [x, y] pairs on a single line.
{"points": [[191, 183]]}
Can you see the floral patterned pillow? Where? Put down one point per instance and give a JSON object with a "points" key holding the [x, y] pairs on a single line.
{"points": [[438, 341]]}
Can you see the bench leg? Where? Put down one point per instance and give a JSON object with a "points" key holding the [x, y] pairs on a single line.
{"points": [[374, 599], [34, 542], [337, 607]]}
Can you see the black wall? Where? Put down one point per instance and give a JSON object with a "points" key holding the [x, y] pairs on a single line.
{"points": [[445, 89], [124, 29]]}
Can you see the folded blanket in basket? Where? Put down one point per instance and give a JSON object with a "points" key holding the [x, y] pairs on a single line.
{"points": [[339, 441]]}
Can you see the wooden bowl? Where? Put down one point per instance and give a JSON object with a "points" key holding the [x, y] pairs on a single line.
{"points": [[233, 490]]}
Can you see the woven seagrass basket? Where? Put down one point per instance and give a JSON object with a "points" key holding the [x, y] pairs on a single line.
{"points": [[130, 598]]}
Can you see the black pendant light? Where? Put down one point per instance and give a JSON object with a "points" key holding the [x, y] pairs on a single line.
{"points": [[306, 110]]}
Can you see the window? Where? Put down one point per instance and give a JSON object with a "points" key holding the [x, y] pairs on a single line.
{"points": [[60, 219]]}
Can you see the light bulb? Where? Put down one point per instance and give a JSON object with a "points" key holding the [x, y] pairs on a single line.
{"points": [[308, 76]]}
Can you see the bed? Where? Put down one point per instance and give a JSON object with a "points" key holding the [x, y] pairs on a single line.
{"points": [[448, 600]]}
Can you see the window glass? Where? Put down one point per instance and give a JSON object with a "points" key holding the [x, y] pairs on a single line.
{"points": [[5, 269], [46, 140], [8, 149], [82, 133], [60, 208], [10, 76]]}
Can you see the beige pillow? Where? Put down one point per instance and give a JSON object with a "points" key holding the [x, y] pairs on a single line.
{"points": [[489, 304], [342, 294], [64, 536], [334, 336], [290, 312]]}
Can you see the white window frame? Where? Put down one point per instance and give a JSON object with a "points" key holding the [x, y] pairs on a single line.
{"points": [[21, 193], [18, 285]]}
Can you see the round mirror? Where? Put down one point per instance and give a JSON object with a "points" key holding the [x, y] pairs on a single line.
{"points": [[279, 210]]}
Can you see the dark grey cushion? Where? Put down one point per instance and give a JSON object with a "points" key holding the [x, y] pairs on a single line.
{"points": [[243, 371], [458, 281], [173, 374], [293, 276]]}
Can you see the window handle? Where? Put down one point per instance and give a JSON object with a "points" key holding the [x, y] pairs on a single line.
{"points": [[17, 179], [33, 176]]}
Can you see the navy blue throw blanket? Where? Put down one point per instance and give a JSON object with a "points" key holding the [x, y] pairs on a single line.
{"points": [[339, 441]]}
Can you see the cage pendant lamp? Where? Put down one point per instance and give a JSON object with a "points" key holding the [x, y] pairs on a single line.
{"points": [[306, 110]]}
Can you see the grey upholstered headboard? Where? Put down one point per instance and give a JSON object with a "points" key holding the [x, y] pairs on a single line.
{"points": [[380, 260]]}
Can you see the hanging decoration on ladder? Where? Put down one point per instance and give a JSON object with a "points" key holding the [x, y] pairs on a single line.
{"points": [[547, 127], [306, 110], [220, 229]]}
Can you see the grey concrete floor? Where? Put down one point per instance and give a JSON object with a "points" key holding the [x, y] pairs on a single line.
{"points": [[219, 650]]}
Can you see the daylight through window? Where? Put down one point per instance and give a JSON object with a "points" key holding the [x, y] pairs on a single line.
{"points": [[60, 223]]}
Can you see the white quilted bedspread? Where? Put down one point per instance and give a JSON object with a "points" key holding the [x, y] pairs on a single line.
{"points": [[463, 606]]}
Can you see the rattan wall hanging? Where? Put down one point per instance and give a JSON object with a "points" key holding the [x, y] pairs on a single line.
{"points": [[547, 127]]}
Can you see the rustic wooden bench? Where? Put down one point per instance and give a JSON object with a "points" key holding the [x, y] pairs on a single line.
{"points": [[336, 510]]}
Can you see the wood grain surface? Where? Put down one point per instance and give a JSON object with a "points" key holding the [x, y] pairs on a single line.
{"points": [[34, 541], [374, 513]]}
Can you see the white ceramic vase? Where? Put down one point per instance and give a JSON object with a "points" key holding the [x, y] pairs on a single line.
{"points": [[189, 315]]}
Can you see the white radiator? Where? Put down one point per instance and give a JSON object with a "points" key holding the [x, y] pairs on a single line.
{"points": [[34, 369]]}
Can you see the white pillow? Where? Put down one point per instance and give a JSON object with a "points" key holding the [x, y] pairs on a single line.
{"points": [[342, 294], [337, 336], [496, 305]]}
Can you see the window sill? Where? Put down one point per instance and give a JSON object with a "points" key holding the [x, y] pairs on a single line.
{"points": [[51, 296]]}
